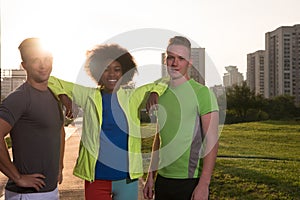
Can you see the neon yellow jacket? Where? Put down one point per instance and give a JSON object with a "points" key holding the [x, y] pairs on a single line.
{"points": [[90, 100]]}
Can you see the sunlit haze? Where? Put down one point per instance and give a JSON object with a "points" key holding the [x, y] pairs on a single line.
{"points": [[227, 29]]}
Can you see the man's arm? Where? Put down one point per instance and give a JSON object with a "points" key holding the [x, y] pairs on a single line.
{"points": [[9, 169], [210, 123], [62, 153], [148, 188]]}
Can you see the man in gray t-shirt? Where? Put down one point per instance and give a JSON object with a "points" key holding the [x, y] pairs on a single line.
{"points": [[33, 117]]}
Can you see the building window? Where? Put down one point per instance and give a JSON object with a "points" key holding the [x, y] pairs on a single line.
{"points": [[286, 76], [286, 84]]}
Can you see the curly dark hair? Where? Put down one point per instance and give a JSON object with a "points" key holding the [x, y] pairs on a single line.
{"points": [[98, 58]]}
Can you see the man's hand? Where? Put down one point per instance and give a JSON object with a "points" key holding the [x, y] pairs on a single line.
{"points": [[201, 192], [152, 102], [32, 180], [71, 109], [60, 177]]}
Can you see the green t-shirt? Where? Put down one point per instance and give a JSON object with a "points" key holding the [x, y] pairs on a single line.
{"points": [[179, 113]]}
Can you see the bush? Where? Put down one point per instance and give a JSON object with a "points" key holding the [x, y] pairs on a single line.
{"points": [[144, 117], [231, 117], [8, 142], [256, 115]]}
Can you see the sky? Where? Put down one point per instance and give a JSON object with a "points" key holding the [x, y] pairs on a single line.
{"points": [[227, 29]]}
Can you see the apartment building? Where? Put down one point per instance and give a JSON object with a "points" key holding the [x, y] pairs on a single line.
{"points": [[232, 77], [10, 80], [282, 62], [255, 71]]}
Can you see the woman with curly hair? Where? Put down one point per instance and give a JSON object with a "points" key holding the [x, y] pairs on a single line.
{"points": [[110, 159]]}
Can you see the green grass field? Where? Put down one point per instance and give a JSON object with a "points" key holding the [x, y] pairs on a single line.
{"points": [[257, 160]]}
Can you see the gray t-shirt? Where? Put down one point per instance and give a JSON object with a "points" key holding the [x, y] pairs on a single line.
{"points": [[36, 119]]}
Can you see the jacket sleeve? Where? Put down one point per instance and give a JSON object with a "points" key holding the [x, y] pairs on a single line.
{"points": [[59, 86], [142, 93], [77, 93], [160, 85]]}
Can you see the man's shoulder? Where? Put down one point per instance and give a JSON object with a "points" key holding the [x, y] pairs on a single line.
{"points": [[198, 86], [19, 91]]}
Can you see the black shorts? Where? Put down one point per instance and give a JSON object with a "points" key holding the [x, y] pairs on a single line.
{"points": [[174, 189]]}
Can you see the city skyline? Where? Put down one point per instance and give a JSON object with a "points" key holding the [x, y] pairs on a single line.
{"points": [[228, 30], [274, 71]]}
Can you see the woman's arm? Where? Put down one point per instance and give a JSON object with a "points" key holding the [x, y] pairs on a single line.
{"points": [[77, 93]]}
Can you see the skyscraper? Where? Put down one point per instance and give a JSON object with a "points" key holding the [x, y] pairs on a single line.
{"points": [[255, 71], [282, 67], [232, 77]]}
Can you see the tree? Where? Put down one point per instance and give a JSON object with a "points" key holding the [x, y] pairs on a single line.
{"points": [[282, 107], [240, 99]]}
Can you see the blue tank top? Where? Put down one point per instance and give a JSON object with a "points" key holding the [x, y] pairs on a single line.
{"points": [[112, 163]]}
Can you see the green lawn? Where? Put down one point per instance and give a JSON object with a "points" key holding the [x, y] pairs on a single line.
{"points": [[258, 160]]}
